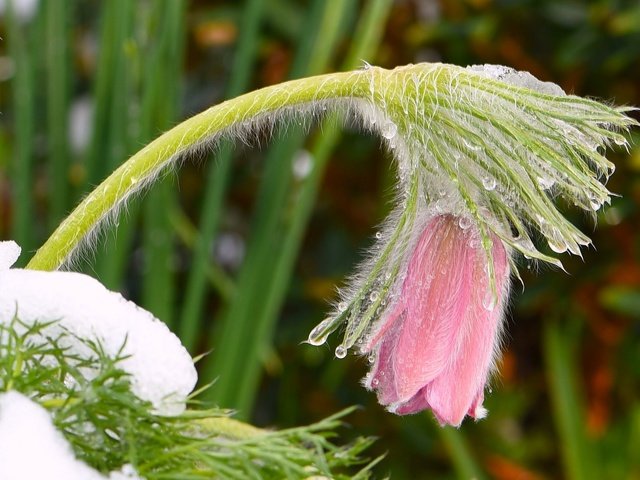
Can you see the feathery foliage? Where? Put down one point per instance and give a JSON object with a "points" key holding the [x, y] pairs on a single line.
{"points": [[91, 403]]}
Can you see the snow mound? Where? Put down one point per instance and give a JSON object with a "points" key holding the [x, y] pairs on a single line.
{"points": [[161, 369]]}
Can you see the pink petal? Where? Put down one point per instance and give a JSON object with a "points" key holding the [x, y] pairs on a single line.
{"points": [[438, 289], [436, 347]]}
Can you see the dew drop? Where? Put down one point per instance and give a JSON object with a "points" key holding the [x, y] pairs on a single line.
{"points": [[374, 296], [342, 306], [489, 301], [595, 203], [620, 141], [546, 182], [489, 183], [375, 382], [340, 352], [465, 222], [389, 130], [475, 242], [371, 359], [318, 336], [472, 146], [557, 245], [378, 235]]}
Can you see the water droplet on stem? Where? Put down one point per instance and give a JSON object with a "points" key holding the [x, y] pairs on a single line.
{"points": [[389, 130], [489, 183]]}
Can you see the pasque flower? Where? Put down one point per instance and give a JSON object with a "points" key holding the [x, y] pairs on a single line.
{"points": [[482, 153], [435, 347]]}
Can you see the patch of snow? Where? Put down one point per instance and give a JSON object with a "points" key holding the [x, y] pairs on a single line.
{"points": [[9, 253], [30, 446], [161, 369]]}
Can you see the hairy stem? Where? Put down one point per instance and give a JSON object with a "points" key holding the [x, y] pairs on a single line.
{"points": [[145, 165]]}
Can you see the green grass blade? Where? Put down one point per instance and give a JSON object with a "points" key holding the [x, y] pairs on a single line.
{"points": [[217, 180], [112, 127], [237, 352], [159, 110], [110, 85], [364, 44], [566, 404], [58, 84], [24, 104], [189, 235], [463, 462], [250, 321], [276, 275]]}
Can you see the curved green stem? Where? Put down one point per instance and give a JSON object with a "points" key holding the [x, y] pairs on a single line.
{"points": [[144, 166], [413, 99]]}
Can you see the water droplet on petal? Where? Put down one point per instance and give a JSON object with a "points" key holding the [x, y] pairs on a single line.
{"points": [[465, 222], [341, 351], [489, 301]]}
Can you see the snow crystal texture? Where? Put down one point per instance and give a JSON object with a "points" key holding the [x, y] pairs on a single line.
{"points": [[161, 369], [30, 446]]}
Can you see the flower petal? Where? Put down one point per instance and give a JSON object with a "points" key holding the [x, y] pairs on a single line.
{"points": [[458, 390]]}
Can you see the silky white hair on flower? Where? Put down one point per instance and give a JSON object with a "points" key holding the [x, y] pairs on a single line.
{"points": [[481, 139]]}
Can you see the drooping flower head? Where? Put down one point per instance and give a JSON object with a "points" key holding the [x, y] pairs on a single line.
{"points": [[482, 153], [435, 347]]}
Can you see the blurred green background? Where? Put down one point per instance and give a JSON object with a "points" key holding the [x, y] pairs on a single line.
{"points": [[240, 251]]}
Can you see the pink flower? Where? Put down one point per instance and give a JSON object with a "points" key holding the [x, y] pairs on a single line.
{"points": [[434, 349]]}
